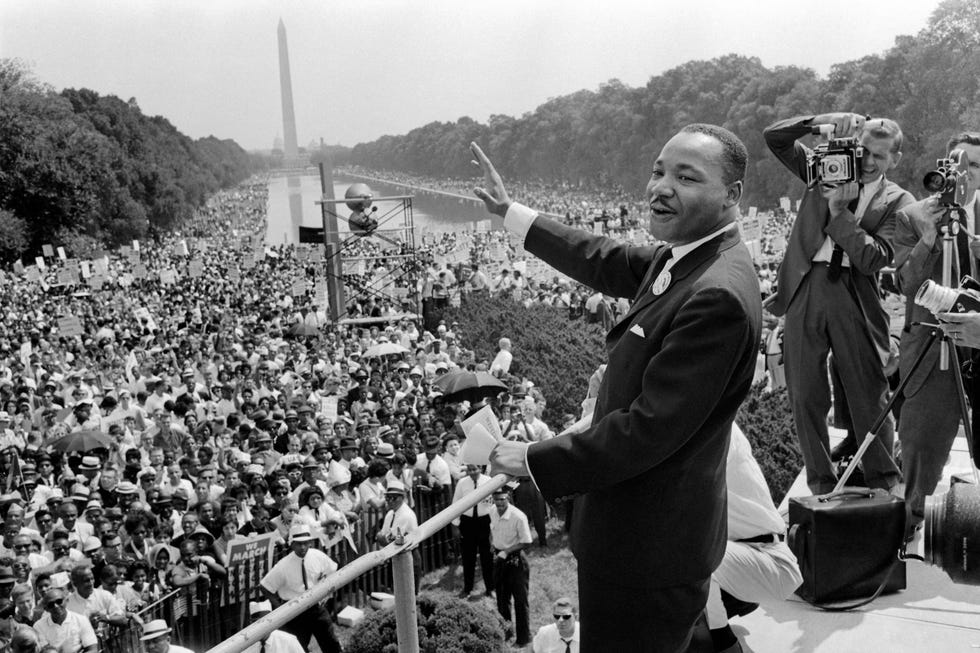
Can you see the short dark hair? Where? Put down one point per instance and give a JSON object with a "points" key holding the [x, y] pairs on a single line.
{"points": [[734, 154], [970, 138]]}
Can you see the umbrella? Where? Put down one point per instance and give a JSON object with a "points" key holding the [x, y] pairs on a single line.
{"points": [[384, 349], [80, 441], [470, 386], [303, 329]]}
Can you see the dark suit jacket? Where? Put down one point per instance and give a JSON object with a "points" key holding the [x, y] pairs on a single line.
{"points": [[915, 263], [867, 243], [650, 471]]}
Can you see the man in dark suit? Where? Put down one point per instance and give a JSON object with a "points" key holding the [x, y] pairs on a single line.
{"points": [[827, 287], [931, 413], [648, 475]]}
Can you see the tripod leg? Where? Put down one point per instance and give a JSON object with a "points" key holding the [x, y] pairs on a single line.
{"points": [[964, 410], [880, 420]]}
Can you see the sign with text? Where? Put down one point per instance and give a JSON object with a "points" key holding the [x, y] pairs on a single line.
{"points": [[251, 548], [70, 326]]}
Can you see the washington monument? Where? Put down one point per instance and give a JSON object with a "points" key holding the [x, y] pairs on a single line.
{"points": [[290, 151]]}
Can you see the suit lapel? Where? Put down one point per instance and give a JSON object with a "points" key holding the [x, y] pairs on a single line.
{"points": [[683, 268]]}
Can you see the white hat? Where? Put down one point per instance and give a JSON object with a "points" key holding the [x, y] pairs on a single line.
{"points": [[395, 487], [154, 629], [259, 607], [338, 474], [300, 533]]}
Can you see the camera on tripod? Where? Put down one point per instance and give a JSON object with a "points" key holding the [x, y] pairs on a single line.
{"points": [[838, 161], [949, 179]]}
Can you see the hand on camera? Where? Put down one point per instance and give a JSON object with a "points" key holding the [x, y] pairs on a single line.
{"points": [[927, 221], [838, 196], [845, 123]]}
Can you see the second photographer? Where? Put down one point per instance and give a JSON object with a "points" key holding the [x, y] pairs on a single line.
{"points": [[931, 412]]}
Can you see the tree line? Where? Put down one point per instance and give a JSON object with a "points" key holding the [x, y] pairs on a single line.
{"points": [[86, 171], [929, 83]]}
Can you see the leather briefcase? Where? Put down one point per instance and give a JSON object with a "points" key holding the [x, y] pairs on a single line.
{"points": [[846, 542]]}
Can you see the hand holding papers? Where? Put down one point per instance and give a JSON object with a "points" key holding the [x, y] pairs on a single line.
{"points": [[482, 432]]}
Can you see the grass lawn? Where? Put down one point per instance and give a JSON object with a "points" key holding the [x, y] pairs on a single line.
{"points": [[552, 576]]}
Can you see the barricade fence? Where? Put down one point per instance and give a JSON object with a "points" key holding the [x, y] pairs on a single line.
{"points": [[203, 615]]}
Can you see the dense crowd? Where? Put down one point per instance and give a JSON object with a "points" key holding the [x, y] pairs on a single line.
{"points": [[158, 402]]}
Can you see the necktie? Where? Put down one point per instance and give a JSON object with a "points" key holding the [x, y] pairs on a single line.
{"points": [[302, 566], [262, 647], [962, 254], [568, 645], [659, 267], [474, 505], [837, 257]]}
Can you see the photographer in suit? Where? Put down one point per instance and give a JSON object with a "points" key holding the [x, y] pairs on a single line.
{"points": [[931, 413], [648, 475], [827, 287]]}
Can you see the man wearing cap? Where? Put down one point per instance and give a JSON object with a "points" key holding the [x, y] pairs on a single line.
{"points": [[277, 641], [156, 638], [510, 535], [292, 576], [400, 522], [435, 467], [473, 530], [311, 472], [67, 631]]}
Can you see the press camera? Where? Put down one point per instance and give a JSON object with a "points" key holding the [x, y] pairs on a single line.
{"points": [[949, 179], [838, 161]]}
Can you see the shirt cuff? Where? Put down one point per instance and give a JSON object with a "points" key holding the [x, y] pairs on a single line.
{"points": [[528, 467], [519, 218]]}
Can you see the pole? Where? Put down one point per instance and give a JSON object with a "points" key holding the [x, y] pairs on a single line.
{"points": [[353, 570], [331, 241], [406, 615]]}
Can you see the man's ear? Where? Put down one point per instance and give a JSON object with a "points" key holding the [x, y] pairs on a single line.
{"points": [[733, 194], [896, 158]]}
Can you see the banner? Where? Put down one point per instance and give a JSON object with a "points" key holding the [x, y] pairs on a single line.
{"points": [[252, 548]]}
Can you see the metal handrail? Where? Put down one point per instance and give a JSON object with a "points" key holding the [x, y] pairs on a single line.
{"points": [[404, 609]]}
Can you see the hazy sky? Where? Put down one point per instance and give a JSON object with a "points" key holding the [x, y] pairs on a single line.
{"points": [[364, 68]]}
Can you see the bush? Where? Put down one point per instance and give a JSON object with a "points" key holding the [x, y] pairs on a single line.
{"points": [[556, 353], [767, 421], [446, 625]]}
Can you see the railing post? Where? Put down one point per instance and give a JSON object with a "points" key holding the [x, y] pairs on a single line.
{"points": [[406, 616]]}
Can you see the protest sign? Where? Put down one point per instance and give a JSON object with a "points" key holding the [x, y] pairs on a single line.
{"points": [[70, 326]]}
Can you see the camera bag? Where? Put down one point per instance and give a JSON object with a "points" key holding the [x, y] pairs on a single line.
{"points": [[847, 544]]}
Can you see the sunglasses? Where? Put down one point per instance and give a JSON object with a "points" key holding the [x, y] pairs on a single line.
{"points": [[562, 617], [56, 603]]}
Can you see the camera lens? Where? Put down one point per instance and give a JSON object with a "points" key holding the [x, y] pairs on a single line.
{"points": [[952, 533], [833, 168], [934, 181]]}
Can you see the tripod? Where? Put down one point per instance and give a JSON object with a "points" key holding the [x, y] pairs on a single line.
{"points": [[948, 354]]}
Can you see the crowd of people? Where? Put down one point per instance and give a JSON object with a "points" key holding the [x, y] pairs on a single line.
{"points": [[156, 406]]}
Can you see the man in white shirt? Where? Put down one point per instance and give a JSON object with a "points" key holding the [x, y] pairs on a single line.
{"points": [[277, 641], [67, 631], [510, 535], [93, 602], [294, 575], [562, 636], [435, 467], [758, 565], [399, 523], [501, 362], [473, 532], [156, 638]]}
